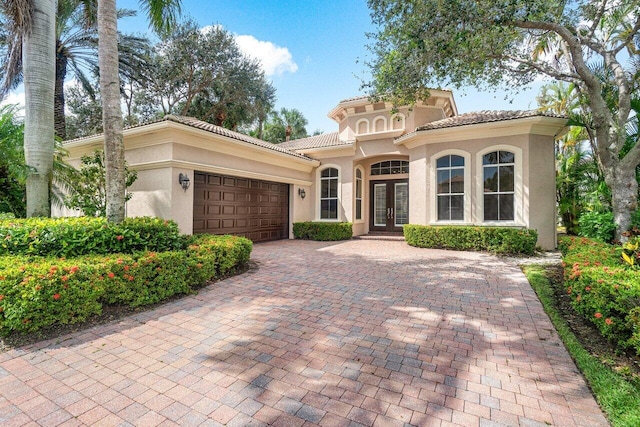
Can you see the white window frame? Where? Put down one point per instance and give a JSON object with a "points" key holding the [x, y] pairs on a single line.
{"points": [[319, 193], [467, 215], [518, 187], [357, 220]]}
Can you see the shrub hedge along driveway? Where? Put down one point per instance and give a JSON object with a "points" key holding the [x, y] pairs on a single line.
{"points": [[345, 333]]}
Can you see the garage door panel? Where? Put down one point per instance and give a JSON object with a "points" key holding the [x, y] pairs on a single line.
{"points": [[256, 209]]}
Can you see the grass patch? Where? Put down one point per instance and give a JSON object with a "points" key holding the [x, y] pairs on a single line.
{"points": [[618, 398]]}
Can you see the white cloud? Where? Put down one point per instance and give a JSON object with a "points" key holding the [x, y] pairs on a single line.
{"points": [[14, 98], [275, 60]]}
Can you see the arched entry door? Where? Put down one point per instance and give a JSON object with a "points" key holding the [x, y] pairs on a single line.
{"points": [[389, 197]]}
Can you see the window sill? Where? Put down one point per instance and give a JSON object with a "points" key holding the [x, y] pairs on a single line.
{"points": [[503, 224], [465, 223]]}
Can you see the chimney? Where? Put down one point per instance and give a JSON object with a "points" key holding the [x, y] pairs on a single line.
{"points": [[287, 133]]}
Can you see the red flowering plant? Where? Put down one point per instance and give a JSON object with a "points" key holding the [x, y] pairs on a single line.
{"points": [[602, 289], [36, 292], [44, 291]]}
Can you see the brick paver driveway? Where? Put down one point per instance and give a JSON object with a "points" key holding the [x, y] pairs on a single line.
{"points": [[353, 333]]}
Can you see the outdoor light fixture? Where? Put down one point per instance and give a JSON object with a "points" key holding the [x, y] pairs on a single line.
{"points": [[184, 181], [302, 193]]}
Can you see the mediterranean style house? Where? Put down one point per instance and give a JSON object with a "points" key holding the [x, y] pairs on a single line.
{"points": [[382, 169]]}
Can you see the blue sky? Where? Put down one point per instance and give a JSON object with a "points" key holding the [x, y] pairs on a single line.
{"points": [[313, 51]]}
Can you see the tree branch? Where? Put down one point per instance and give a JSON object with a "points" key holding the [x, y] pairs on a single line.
{"points": [[629, 39], [545, 69], [598, 17]]}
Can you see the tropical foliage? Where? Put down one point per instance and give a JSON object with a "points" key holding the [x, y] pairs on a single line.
{"points": [[510, 43], [13, 171], [604, 289], [58, 283], [88, 185], [201, 72], [285, 125], [499, 240]]}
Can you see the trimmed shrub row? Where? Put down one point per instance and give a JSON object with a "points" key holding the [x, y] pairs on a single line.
{"points": [[36, 292], [602, 289], [323, 231], [70, 237], [499, 240]]}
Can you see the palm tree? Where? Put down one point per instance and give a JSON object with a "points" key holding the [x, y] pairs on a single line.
{"points": [[76, 49], [285, 125], [162, 16], [32, 38]]}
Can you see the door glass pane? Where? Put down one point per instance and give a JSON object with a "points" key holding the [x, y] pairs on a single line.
{"points": [[380, 205], [401, 204], [358, 208]]}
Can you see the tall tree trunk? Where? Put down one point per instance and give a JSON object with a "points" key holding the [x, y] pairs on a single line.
{"points": [[38, 59], [624, 197], [61, 74], [111, 110]]}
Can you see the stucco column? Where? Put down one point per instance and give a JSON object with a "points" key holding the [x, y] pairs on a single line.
{"points": [[418, 186]]}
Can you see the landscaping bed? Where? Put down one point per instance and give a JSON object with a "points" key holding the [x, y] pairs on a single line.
{"points": [[67, 271]]}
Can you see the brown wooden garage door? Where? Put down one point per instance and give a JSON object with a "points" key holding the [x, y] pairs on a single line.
{"points": [[246, 207]]}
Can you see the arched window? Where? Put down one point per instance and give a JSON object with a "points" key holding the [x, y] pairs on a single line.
{"points": [[329, 180], [390, 167], [450, 188], [358, 193], [498, 169]]}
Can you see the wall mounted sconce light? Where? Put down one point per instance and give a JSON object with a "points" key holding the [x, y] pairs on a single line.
{"points": [[302, 193], [184, 181]]}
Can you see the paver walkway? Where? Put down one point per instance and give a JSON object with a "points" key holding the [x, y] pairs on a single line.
{"points": [[336, 334]]}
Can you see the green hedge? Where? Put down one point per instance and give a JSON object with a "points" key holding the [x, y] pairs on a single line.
{"points": [[36, 292], [603, 289], [323, 231], [499, 240], [69, 237]]}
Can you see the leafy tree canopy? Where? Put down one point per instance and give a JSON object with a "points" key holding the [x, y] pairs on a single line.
{"points": [[592, 44], [201, 72]]}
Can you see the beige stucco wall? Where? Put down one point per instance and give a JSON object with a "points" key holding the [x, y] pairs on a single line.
{"points": [[161, 154], [418, 116], [542, 190], [535, 182]]}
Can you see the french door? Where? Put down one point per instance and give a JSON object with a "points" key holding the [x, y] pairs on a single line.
{"points": [[389, 205]]}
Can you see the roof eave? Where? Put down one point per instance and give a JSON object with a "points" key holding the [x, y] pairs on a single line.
{"points": [[169, 124], [535, 125]]}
